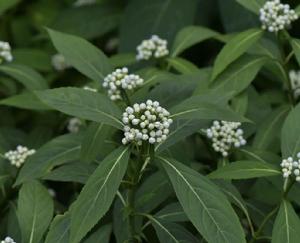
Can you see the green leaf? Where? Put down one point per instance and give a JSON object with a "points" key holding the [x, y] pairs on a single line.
{"points": [[237, 46], [82, 55], [290, 134], [35, 211], [267, 131], [252, 5], [98, 193], [74, 172], [101, 235], [31, 79], [287, 225], [56, 152], [189, 36], [173, 213], [93, 141], [297, 10], [7, 4], [122, 59], [296, 47], [204, 204], [163, 18], [83, 104], [98, 20], [25, 100], [245, 170], [239, 74], [59, 229], [182, 65], [168, 232]]}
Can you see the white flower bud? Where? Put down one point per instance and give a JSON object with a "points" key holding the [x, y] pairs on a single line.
{"points": [[17, 157], [153, 47]]}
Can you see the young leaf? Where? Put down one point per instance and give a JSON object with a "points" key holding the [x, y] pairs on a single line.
{"points": [[182, 65], [189, 36], [82, 55], [59, 229], [287, 225], [290, 133], [56, 152], [204, 204], [83, 104], [252, 5], [98, 193], [31, 79], [245, 170], [235, 48], [35, 211]]}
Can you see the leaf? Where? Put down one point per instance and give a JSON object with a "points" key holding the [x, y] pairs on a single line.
{"points": [[267, 131], [287, 225], [101, 235], [237, 46], [189, 36], [296, 47], [98, 193], [74, 172], [82, 55], [98, 20], [182, 65], [59, 229], [162, 18], [35, 211], [252, 5], [83, 104], [122, 59], [7, 4], [239, 74], [290, 134], [297, 10], [172, 212], [168, 232], [204, 204], [245, 170], [31, 79], [25, 100], [93, 141], [56, 152]]}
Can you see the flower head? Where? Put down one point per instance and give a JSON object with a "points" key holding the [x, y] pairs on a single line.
{"points": [[225, 135], [17, 157], [8, 240], [290, 166], [120, 79], [276, 16], [59, 62], [5, 52], [153, 47], [74, 125], [147, 122]]}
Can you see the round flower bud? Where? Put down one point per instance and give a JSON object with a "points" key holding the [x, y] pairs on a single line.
{"points": [[5, 52], [153, 47], [59, 62], [141, 127], [74, 125]]}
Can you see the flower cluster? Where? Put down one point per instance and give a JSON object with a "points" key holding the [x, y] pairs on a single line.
{"points": [[295, 82], [154, 46], [276, 16], [290, 166], [79, 3], [17, 157], [5, 52], [59, 62], [8, 240], [224, 135], [146, 122], [74, 125], [120, 79], [90, 89]]}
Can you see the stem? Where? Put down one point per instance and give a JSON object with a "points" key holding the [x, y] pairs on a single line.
{"points": [[125, 97], [287, 187], [131, 218]]}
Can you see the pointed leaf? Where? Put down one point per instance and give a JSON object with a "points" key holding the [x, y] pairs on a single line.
{"points": [[296, 47], [252, 5], [59, 229]]}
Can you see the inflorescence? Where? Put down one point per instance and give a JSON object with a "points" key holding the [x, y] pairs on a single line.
{"points": [[74, 125], [147, 122], [5, 52], [295, 82], [153, 47], [290, 166], [8, 240], [225, 135], [276, 16], [59, 62], [17, 157], [120, 79]]}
